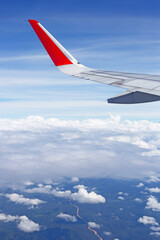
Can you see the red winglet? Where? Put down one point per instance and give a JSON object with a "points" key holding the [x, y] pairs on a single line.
{"points": [[57, 56]]}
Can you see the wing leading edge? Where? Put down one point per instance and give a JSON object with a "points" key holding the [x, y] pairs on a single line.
{"points": [[140, 87]]}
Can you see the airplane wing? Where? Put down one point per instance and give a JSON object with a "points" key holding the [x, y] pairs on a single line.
{"points": [[140, 88]]}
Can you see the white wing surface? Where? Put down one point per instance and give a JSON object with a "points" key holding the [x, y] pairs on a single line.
{"points": [[140, 88]]}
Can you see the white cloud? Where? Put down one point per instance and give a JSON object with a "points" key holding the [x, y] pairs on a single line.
{"points": [[66, 194], [93, 225], [27, 225], [43, 189], [87, 152], [148, 220], [7, 218], [140, 185], [157, 234], [28, 183], [138, 200], [24, 223], [17, 198], [83, 196], [153, 204], [107, 233], [131, 140], [153, 179], [40, 185], [153, 228], [120, 193], [67, 217], [154, 190], [121, 198]]}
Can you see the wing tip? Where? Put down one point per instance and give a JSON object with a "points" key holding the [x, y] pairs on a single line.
{"points": [[32, 21]]}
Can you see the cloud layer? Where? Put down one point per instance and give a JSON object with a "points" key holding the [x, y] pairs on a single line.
{"points": [[36, 148]]}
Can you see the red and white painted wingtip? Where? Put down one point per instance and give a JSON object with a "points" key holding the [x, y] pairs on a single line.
{"points": [[56, 51], [60, 56], [32, 21]]}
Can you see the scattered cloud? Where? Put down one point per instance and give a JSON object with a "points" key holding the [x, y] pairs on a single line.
{"points": [[148, 220], [27, 225], [154, 190], [17, 198], [82, 196], [7, 218], [153, 204], [121, 198], [153, 179], [140, 185], [67, 217], [107, 233], [65, 194], [93, 225], [138, 200], [42, 189], [24, 223], [153, 228]]}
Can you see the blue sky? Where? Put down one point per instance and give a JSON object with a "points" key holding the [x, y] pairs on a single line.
{"points": [[110, 35]]}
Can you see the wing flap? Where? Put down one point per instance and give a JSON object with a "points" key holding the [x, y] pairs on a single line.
{"points": [[133, 97]]}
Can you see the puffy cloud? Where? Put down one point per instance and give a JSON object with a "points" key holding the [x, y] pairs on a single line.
{"points": [[121, 198], [120, 193], [148, 220], [93, 225], [67, 217], [153, 179], [17, 198], [7, 218], [140, 185], [66, 194], [107, 233], [153, 228], [24, 223], [90, 148], [154, 190], [83, 196], [153, 204]]}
